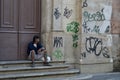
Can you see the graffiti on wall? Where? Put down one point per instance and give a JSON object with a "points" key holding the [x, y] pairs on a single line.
{"points": [[73, 27], [92, 44], [67, 13], [97, 21], [95, 46], [85, 4], [85, 27], [97, 16], [84, 55], [57, 13], [95, 28], [107, 29], [58, 54], [58, 42], [105, 50]]}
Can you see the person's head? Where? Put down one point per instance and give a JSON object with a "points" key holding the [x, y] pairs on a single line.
{"points": [[36, 39]]}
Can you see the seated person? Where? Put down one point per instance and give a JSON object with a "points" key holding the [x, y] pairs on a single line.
{"points": [[36, 52]]}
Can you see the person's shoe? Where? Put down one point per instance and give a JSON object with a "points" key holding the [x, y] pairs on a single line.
{"points": [[33, 64], [46, 64]]}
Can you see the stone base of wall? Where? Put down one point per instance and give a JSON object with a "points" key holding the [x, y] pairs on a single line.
{"points": [[96, 68]]}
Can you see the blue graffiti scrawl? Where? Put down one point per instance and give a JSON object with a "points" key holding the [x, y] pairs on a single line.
{"points": [[58, 42], [67, 13], [85, 4], [57, 14], [96, 29], [86, 28]]}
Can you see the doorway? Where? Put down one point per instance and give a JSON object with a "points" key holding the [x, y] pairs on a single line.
{"points": [[19, 22]]}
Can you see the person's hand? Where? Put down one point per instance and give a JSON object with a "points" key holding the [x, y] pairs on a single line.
{"points": [[45, 51], [39, 50]]}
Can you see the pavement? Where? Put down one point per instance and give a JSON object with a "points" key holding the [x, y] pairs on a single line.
{"points": [[98, 76]]}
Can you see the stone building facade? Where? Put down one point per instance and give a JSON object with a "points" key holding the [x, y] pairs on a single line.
{"points": [[84, 33]]}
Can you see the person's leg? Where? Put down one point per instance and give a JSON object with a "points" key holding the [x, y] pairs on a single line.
{"points": [[32, 56], [43, 54]]}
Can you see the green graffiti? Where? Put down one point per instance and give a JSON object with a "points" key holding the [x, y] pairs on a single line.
{"points": [[75, 44], [58, 54], [75, 37], [98, 16], [73, 27]]}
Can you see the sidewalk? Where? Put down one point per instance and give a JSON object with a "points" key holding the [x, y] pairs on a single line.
{"points": [[98, 76]]}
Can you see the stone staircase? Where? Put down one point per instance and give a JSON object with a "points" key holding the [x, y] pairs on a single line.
{"points": [[21, 70]]}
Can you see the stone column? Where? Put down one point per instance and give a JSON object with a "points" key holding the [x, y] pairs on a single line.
{"points": [[46, 24], [59, 41]]}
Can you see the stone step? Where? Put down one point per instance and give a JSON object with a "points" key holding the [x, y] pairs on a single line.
{"points": [[24, 63], [16, 70], [39, 76]]}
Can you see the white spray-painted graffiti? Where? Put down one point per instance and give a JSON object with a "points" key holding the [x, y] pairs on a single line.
{"points": [[96, 21]]}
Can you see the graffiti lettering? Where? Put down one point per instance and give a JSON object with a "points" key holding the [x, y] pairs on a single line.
{"points": [[98, 16], [58, 42], [85, 4], [107, 29], [57, 13], [105, 52], [86, 28], [96, 29], [84, 55], [67, 13], [92, 44]]}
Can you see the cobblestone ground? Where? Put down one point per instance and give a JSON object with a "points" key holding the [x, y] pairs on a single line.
{"points": [[101, 76]]}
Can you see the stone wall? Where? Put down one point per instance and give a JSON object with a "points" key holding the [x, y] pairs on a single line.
{"points": [[116, 34]]}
